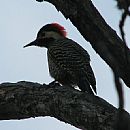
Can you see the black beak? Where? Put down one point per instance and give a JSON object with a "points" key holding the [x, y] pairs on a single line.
{"points": [[31, 44]]}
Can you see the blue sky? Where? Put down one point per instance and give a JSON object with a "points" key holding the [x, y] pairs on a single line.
{"points": [[19, 24]]}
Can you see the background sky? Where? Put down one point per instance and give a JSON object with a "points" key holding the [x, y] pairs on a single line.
{"points": [[19, 24]]}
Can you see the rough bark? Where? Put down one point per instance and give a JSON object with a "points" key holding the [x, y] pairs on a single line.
{"points": [[101, 36], [26, 99]]}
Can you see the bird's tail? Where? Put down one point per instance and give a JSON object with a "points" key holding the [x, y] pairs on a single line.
{"points": [[94, 88], [84, 85]]}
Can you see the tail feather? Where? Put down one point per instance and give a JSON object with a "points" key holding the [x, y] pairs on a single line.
{"points": [[84, 85], [94, 88]]}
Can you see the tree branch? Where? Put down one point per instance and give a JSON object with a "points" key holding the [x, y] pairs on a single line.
{"points": [[101, 36], [26, 99], [123, 4]]}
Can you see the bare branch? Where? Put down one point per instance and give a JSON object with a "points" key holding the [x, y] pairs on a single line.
{"points": [[25, 99], [122, 21], [120, 91], [121, 25], [123, 4]]}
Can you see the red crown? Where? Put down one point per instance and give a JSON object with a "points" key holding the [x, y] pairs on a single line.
{"points": [[60, 28]]}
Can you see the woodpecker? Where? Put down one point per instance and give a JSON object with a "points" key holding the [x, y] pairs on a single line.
{"points": [[68, 62]]}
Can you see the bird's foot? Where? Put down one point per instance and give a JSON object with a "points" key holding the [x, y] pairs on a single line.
{"points": [[53, 84]]}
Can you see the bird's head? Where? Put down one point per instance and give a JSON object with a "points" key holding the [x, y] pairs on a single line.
{"points": [[47, 34]]}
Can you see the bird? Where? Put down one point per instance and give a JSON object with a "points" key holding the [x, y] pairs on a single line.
{"points": [[69, 63]]}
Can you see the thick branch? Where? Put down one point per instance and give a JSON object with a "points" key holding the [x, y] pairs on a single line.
{"points": [[25, 99], [102, 37]]}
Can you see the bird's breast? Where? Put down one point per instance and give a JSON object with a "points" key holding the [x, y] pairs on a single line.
{"points": [[54, 69]]}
